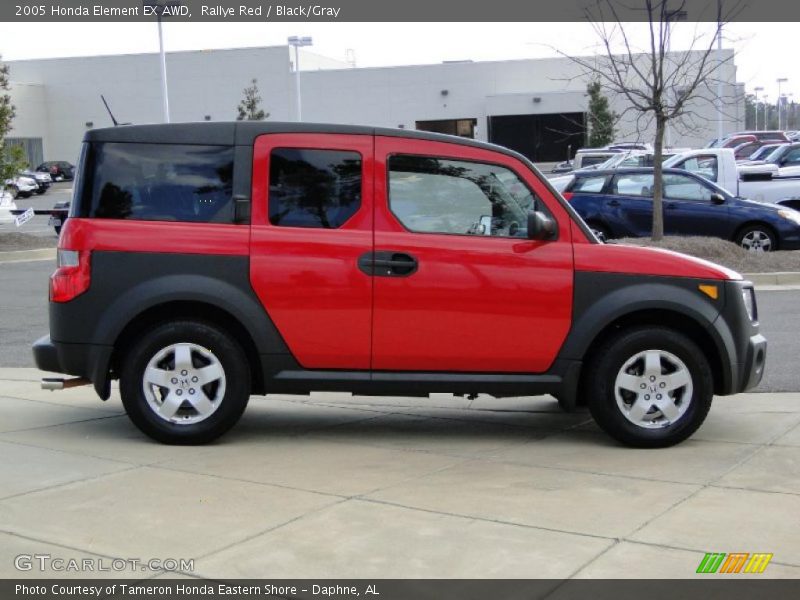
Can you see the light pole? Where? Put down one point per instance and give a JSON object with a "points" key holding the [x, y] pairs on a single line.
{"points": [[756, 90], [719, 80], [296, 42], [780, 80], [157, 7], [766, 113]]}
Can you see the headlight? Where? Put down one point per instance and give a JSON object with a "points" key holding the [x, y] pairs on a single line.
{"points": [[749, 298], [791, 215]]}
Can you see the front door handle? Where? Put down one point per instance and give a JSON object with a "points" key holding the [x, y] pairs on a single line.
{"points": [[387, 263], [613, 202]]}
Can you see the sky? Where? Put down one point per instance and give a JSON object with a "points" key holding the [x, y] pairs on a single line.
{"points": [[762, 54]]}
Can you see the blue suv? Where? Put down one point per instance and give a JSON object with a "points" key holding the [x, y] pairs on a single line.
{"points": [[619, 203]]}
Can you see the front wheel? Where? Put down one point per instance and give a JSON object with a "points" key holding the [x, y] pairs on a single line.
{"points": [[649, 387], [757, 238], [185, 382]]}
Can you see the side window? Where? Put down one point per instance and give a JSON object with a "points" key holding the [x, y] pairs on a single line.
{"points": [[792, 157], [437, 195], [157, 182], [705, 166], [588, 185], [313, 188], [633, 184], [680, 187]]}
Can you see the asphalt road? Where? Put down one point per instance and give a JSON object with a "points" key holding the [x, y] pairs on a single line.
{"points": [[23, 318]]}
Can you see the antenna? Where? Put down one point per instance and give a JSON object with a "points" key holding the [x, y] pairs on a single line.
{"points": [[110, 114]]}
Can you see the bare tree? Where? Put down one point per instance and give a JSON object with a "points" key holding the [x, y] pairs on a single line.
{"points": [[656, 84]]}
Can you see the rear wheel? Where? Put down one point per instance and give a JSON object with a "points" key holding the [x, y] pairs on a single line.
{"points": [[649, 387], [186, 382], [757, 238]]}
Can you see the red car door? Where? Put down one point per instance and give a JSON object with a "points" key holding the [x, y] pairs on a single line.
{"points": [[312, 216], [458, 285]]}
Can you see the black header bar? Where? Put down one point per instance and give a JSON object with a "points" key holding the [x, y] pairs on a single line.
{"points": [[384, 10]]}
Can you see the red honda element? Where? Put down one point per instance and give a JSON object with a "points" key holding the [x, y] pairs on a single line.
{"points": [[203, 263]]}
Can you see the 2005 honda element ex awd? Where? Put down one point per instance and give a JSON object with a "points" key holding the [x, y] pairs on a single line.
{"points": [[205, 262]]}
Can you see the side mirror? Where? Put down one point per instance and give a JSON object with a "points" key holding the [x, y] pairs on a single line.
{"points": [[540, 226], [717, 198]]}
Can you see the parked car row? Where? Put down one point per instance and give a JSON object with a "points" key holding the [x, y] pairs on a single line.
{"points": [[27, 183], [21, 186], [619, 203], [59, 170]]}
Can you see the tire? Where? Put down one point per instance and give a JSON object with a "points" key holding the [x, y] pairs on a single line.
{"points": [[636, 418], [193, 412], [14, 192], [757, 238], [57, 229]]}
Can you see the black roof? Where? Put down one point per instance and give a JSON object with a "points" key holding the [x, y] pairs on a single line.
{"points": [[243, 133]]}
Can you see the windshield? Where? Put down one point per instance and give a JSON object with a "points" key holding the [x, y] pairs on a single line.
{"points": [[762, 152], [775, 155]]}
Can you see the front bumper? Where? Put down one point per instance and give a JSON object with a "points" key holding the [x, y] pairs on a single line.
{"points": [[752, 369], [81, 360], [745, 347]]}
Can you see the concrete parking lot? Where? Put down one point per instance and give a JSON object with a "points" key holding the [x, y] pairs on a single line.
{"points": [[339, 486]]}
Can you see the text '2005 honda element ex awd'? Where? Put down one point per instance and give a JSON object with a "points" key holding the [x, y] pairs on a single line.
{"points": [[205, 262]]}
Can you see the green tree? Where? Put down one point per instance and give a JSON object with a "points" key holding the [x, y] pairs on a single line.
{"points": [[12, 158], [750, 112], [250, 106], [601, 117]]}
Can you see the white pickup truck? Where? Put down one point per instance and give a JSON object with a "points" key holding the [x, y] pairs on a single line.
{"points": [[719, 165], [757, 182]]}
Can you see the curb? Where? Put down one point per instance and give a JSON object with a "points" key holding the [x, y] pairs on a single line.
{"points": [[14, 256], [779, 278]]}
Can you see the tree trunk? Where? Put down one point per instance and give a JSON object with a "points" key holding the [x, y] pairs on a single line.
{"points": [[658, 181]]}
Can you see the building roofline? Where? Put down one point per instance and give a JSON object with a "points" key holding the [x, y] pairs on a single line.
{"points": [[169, 52]]}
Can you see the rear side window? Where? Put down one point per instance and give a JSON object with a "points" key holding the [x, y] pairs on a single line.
{"points": [[157, 182], [313, 188], [633, 184], [588, 185]]}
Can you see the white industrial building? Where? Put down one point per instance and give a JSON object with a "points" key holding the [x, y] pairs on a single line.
{"points": [[536, 106]]}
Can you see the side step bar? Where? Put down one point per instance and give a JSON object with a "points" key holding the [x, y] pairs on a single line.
{"points": [[55, 383]]}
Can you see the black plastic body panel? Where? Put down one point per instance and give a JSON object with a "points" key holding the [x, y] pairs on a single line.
{"points": [[125, 285], [601, 299]]}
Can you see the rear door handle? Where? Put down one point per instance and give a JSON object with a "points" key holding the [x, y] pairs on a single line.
{"points": [[387, 263]]}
